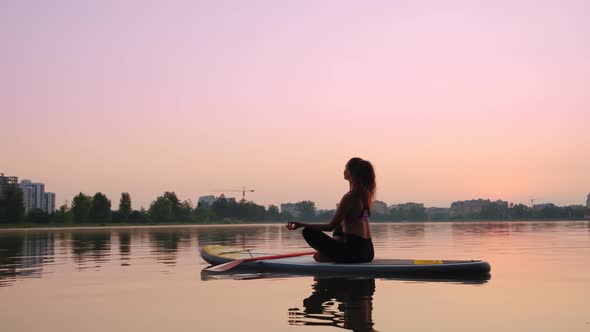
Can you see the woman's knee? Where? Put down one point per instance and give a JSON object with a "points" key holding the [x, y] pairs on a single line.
{"points": [[307, 232], [311, 236]]}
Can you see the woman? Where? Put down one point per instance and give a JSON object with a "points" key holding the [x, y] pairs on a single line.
{"points": [[352, 237]]}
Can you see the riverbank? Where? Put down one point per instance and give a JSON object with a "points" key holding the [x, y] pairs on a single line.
{"points": [[33, 226], [40, 227]]}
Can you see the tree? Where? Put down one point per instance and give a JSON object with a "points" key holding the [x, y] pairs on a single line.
{"points": [[219, 206], [12, 208], [286, 216], [396, 214], [224, 208], [62, 215], [140, 216], [37, 216], [181, 211], [325, 216], [100, 208], [519, 211], [171, 196], [117, 217], [81, 208], [125, 206], [549, 212], [416, 213], [204, 215], [161, 209], [413, 213], [250, 211], [306, 210], [273, 213], [184, 211], [494, 211]]}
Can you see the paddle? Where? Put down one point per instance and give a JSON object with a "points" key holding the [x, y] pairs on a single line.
{"points": [[234, 263]]}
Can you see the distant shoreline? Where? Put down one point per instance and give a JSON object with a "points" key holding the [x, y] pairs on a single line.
{"points": [[37, 227], [29, 226]]}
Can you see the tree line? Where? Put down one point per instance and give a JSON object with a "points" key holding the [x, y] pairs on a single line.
{"points": [[168, 208], [492, 211]]}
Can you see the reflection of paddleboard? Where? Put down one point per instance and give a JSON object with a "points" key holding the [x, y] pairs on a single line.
{"points": [[216, 254], [245, 274]]}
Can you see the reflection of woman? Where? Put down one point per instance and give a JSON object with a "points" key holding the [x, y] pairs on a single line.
{"points": [[352, 237], [346, 303]]}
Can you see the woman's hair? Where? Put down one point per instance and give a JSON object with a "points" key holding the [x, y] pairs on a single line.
{"points": [[362, 176]]}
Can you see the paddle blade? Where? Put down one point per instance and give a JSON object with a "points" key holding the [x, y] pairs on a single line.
{"points": [[225, 266]]}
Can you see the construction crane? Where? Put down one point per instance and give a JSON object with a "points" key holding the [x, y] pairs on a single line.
{"points": [[243, 191]]}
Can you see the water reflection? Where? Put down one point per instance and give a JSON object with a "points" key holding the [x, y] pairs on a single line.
{"points": [[91, 246], [504, 228], [166, 245], [249, 274], [124, 244], [338, 302], [124, 247], [242, 236], [80, 272], [408, 230], [24, 256], [480, 229], [31, 253], [166, 241]]}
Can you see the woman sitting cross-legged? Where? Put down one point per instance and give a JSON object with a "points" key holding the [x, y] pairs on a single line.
{"points": [[352, 236]]}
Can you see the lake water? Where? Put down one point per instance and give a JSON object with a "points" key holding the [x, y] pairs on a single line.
{"points": [[149, 279]]}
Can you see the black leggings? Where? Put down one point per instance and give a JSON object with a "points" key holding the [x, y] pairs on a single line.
{"points": [[351, 249]]}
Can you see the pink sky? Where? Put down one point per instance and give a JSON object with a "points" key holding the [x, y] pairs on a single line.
{"points": [[450, 100]]}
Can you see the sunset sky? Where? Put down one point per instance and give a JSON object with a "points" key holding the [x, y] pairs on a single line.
{"points": [[450, 100]]}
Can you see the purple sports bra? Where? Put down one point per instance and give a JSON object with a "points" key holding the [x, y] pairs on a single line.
{"points": [[364, 215]]}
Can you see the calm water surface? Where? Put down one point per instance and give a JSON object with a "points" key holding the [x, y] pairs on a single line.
{"points": [[149, 279]]}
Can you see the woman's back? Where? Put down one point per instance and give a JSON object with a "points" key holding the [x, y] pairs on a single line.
{"points": [[356, 221]]}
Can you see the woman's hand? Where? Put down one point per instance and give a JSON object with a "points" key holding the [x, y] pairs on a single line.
{"points": [[293, 225]]}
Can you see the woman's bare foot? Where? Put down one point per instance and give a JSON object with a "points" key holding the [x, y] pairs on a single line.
{"points": [[321, 258]]}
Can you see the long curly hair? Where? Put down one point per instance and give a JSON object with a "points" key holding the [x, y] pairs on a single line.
{"points": [[362, 175]]}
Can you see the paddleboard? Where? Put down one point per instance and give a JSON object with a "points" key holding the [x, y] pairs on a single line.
{"points": [[218, 254]]}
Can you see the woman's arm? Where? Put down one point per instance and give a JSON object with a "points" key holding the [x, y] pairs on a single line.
{"points": [[340, 214]]}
